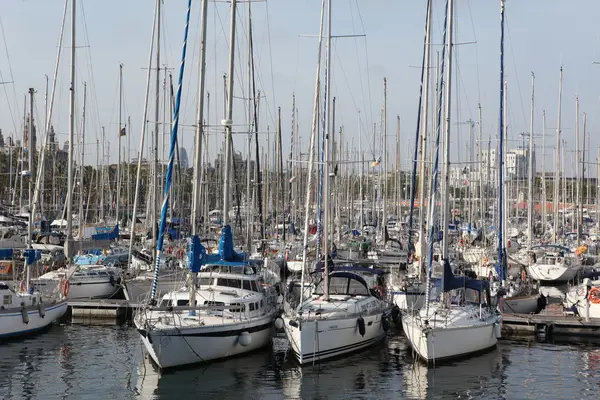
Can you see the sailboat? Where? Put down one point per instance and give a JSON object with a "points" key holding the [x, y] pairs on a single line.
{"points": [[461, 321], [343, 313], [555, 262], [25, 310], [228, 306]]}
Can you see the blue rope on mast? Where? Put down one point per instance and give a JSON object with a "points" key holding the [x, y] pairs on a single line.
{"points": [[499, 266], [437, 155], [169, 175], [417, 142]]}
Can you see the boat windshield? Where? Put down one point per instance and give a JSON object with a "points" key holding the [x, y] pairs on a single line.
{"points": [[344, 285]]}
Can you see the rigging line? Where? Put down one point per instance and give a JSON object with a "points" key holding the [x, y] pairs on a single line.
{"points": [[341, 66], [512, 51], [367, 61], [12, 117], [476, 53], [271, 60], [92, 79], [362, 87]]}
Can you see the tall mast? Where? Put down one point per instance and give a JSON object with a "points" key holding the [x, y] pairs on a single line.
{"points": [[557, 158], [249, 192], [118, 202], [81, 167], [102, 187], [530, 170], [385, 152], [326, 149], [199, 121], [446, 186], [228, 122], [577, 176], [30, 151], [423, 134], [544, 198], [501, 142], [361, 160], [68, 250], [138, 178], [482, 208], [156, 127]]}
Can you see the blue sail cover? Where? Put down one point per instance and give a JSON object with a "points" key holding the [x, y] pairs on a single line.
{"points": [[451, 282], [226, 246], [32, 256], [6, 254], [196, 255]]}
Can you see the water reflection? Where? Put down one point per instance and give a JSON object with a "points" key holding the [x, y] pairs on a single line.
{"points": [[470, 378], [108, 363]]}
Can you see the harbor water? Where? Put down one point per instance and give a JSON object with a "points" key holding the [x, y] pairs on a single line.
{"points": [[108, 362]]}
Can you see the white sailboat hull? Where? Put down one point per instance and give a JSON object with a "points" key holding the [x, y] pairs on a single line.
{"points": [[183, 345], [444, 342], [552, 272], [80, 289], [318, 340], [12, 325]]}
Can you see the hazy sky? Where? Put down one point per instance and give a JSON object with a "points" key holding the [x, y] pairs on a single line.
{"points": [[541, 35]]}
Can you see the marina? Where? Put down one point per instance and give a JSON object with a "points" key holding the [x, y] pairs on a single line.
{"points": [[396, 234]]}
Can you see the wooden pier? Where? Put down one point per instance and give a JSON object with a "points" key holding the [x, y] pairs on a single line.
{"points": [[552, 321]]}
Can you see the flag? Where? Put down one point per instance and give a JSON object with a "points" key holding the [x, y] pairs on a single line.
{"points": [[376, 162], [122, 132]]}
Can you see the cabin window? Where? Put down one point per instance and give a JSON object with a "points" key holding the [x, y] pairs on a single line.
{"points": [[247, 285], [183, 302], [472, 296], [205, 281], [251, 306], [33, 300], [255, 286], [262, 304], [7, 299], [236, 307], [165, 303], [337, 285], [356, 288], [234, 283]]}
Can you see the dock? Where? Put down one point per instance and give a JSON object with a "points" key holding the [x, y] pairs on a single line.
{"points": [[92, 310], [552, 321]]}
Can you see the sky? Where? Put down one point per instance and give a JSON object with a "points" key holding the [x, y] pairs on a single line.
{"points": [[541, 35]]}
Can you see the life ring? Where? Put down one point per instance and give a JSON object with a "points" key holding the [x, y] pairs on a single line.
{"points": [[287, 255], [559, 260], [23, 286], [594, 295], [170, 250], [508, 244], [523, 276], [180, 253]]}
